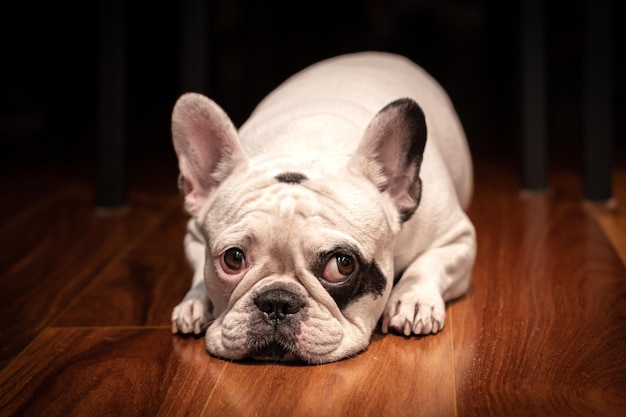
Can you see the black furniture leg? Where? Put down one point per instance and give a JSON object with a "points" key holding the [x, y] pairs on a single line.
{"points": [[534, 127], [111, 120], [598, 109]]}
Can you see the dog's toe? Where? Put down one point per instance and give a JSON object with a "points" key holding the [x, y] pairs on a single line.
{"points": [[190, 316], [414, 312]]}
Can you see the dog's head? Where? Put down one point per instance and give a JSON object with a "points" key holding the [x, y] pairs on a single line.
{"points": [[299, 257]]}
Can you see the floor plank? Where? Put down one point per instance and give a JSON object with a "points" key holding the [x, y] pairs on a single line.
{"points": [[543, 332], [142, 371], [396, 376], [141, 288], [27, 188], [57, 251], [86, 303], [109, 372]]}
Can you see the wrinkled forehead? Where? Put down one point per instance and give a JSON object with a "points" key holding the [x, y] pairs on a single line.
{"points": [[288, 206]]}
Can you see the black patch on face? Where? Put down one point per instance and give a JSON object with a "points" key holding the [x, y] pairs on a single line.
{"points": [[291, 177], [366, 279]]}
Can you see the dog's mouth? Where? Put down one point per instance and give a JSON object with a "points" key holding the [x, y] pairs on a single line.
{"points": [[273, 351]]}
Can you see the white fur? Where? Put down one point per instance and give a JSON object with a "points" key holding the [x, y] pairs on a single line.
{"points": [[314, 123]]}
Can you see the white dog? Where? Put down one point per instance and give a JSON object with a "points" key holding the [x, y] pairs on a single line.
{"points": [[338, 204]]}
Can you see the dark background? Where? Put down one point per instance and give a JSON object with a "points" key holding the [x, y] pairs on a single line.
{"points": [[49, 82]]}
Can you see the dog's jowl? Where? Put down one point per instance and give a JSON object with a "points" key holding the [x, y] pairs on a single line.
{"points": [[337, 206]]}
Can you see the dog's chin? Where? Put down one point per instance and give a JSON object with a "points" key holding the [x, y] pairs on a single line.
{"points": [[273, 351]]}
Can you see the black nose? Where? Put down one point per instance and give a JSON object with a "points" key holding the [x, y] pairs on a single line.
{"points": [[278, 303]]}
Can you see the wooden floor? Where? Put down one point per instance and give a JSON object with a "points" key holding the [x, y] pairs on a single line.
{"points": [[86, 298]]}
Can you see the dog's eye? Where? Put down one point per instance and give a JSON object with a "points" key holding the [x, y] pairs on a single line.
{"points": [[339, 268], [233, 259]]}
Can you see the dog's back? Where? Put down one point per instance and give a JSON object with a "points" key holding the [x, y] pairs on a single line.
{"points": [[330, 104]]}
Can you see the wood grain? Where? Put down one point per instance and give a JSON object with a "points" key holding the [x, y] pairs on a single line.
{"points": [[58, 251], [140, 288], [86, 301], [396, 376], [544, 331], [26, 189], [109, 372]]}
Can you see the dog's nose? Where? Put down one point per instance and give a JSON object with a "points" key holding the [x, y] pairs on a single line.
{"points": [[278, 303]]}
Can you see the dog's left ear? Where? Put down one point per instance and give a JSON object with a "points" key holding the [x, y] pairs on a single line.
{"points": [[391, 151], [207, 147]]}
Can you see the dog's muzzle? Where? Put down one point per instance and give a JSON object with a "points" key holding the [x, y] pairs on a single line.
{"points": [[272, 336]]}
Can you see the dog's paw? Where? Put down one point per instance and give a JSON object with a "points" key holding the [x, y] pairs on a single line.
{"points": [[191, 316], [414, 311]]}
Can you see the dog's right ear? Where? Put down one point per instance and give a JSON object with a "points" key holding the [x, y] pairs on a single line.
{"points": [[391, 153], [207, 147]]}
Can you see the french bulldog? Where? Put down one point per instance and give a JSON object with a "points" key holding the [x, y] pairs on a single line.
{"points": [[338, 205]]}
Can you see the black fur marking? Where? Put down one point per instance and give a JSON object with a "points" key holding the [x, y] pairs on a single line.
{"points": [[413, 118], [291, 177], [366, 279], [416, 132]]}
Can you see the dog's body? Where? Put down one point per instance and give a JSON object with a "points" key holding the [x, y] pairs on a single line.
{"points": [[309, 215]]}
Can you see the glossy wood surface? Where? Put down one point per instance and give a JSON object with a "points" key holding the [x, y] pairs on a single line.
{"points": [[86, 299]]}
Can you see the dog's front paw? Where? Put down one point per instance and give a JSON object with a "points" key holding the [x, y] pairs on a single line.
{"points": [[414, 310], [191, 315]]}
